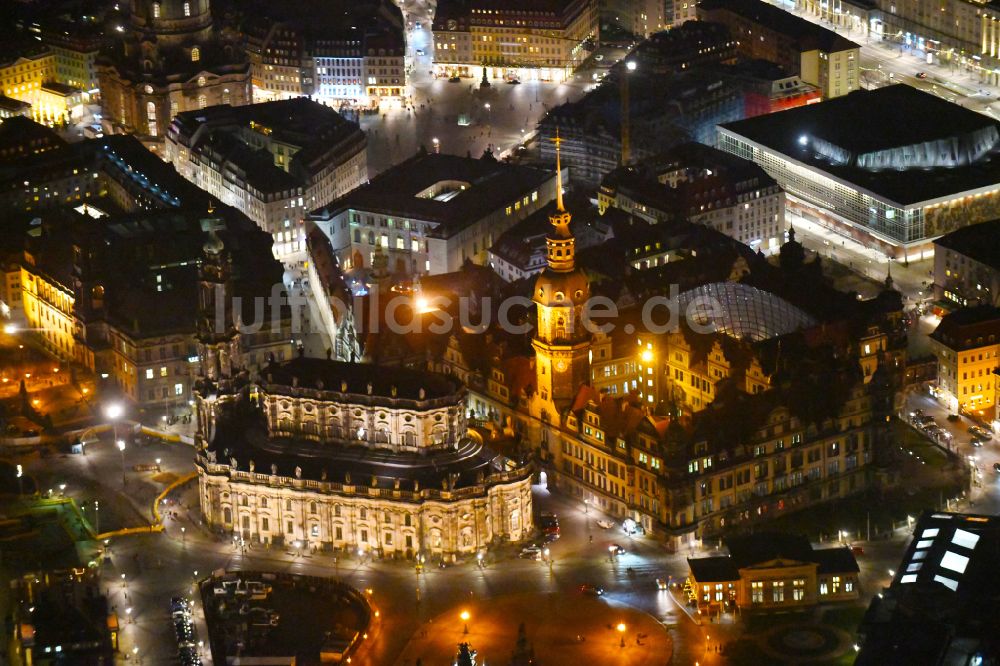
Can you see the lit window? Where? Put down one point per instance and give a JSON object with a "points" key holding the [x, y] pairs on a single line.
{"points": [[156, 10], [196, 56], [965, 539], [954, 561], [149, 373], [187, 9]]}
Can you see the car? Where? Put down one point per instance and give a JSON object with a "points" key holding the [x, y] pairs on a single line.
{"points": [[605, 524], [921, 75], [924, 420], [858, 550], [551, 536], [455, 79], [981, 433], [916, 412], [976, 442], [420, 52], [599, 57], [547, 514], [996, 467], [661, 584], [616, 549], [532, 552], [592, 590]]}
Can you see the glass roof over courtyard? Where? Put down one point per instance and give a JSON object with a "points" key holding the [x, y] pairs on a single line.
{"points": [[742, 311]]}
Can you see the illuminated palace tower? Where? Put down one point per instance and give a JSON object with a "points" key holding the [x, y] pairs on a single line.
{"points": [[561, 343], [168, 59]]}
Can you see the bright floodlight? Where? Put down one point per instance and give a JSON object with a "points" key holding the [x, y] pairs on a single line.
{"points": [[630, 65], [10, 329], [803, 140], [113, 411], [121, 444]]}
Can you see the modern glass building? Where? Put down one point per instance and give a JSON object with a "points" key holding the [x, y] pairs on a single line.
{"points": [[892, 168]]}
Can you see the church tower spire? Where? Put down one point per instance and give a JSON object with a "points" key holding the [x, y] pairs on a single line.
{"points": [[560, 246], [561, 342]]}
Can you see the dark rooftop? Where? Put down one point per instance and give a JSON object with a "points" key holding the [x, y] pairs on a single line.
{"points": [[865, 122], [754, 549], [969, 328], [942, 605], [980, 242], [470, 190], [809, 35], [359, 376]]}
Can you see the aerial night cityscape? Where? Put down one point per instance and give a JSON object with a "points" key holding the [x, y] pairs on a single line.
{"points": [[500, 332]]}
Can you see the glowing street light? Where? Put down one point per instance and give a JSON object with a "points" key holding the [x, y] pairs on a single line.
{"points": [[465, 618], [121, 448], [437, 144], [621, 632]]}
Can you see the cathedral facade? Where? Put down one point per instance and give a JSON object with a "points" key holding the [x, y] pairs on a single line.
{"points": [[345, 456], [169, 58]]}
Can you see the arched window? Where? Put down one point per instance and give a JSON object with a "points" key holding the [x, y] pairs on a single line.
{"points": [[226, 97], [263, 502], [201, 81], [187, 9], [202, 101], [312, 507], [156, 10], [151, 117], [227, 515], [288, 505], [195, 57]]}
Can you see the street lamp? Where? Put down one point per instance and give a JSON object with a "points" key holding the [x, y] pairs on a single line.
{"points": [[437, 144], [465, 618], [183, 535], [121, 448], [62, 489], [128, 612], [621, 633]]}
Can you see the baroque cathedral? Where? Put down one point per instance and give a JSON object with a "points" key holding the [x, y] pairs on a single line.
{"points": [[170, 58]]}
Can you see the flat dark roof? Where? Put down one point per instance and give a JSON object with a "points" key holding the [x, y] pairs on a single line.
{"points": [[980, 242], [809, 35], [492, 185], [874, 120]]}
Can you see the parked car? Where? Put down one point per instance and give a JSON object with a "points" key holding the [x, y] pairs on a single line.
{"points": [[592, 590], [605, 524], [532, 552], [976, 442], [551, 536], [921, 75], [616, 549], [996, 467], [661, 584], [455, 79], [981, 433], [420, 52], [858, 550]]}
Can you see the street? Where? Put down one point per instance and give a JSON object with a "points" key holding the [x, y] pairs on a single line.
{"points": [[159, 566]]}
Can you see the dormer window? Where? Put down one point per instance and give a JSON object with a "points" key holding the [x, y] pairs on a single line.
{"points": [[196, 55], [156, 10], [187, 9]]}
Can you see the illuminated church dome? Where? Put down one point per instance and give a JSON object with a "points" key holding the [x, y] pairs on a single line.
{"points": [[169, 59]]}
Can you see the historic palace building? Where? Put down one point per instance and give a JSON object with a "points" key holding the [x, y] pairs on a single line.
{"points": [[169, 59], [782, 403], [337, 455]]}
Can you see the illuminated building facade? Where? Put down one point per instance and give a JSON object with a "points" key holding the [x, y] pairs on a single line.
{"points": [[274, 161], [892, 168], [522, 40], [967, 265], [772, 572], [820, 56], [355, 457], [432, 213], [331, 52], [967, 346]]}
